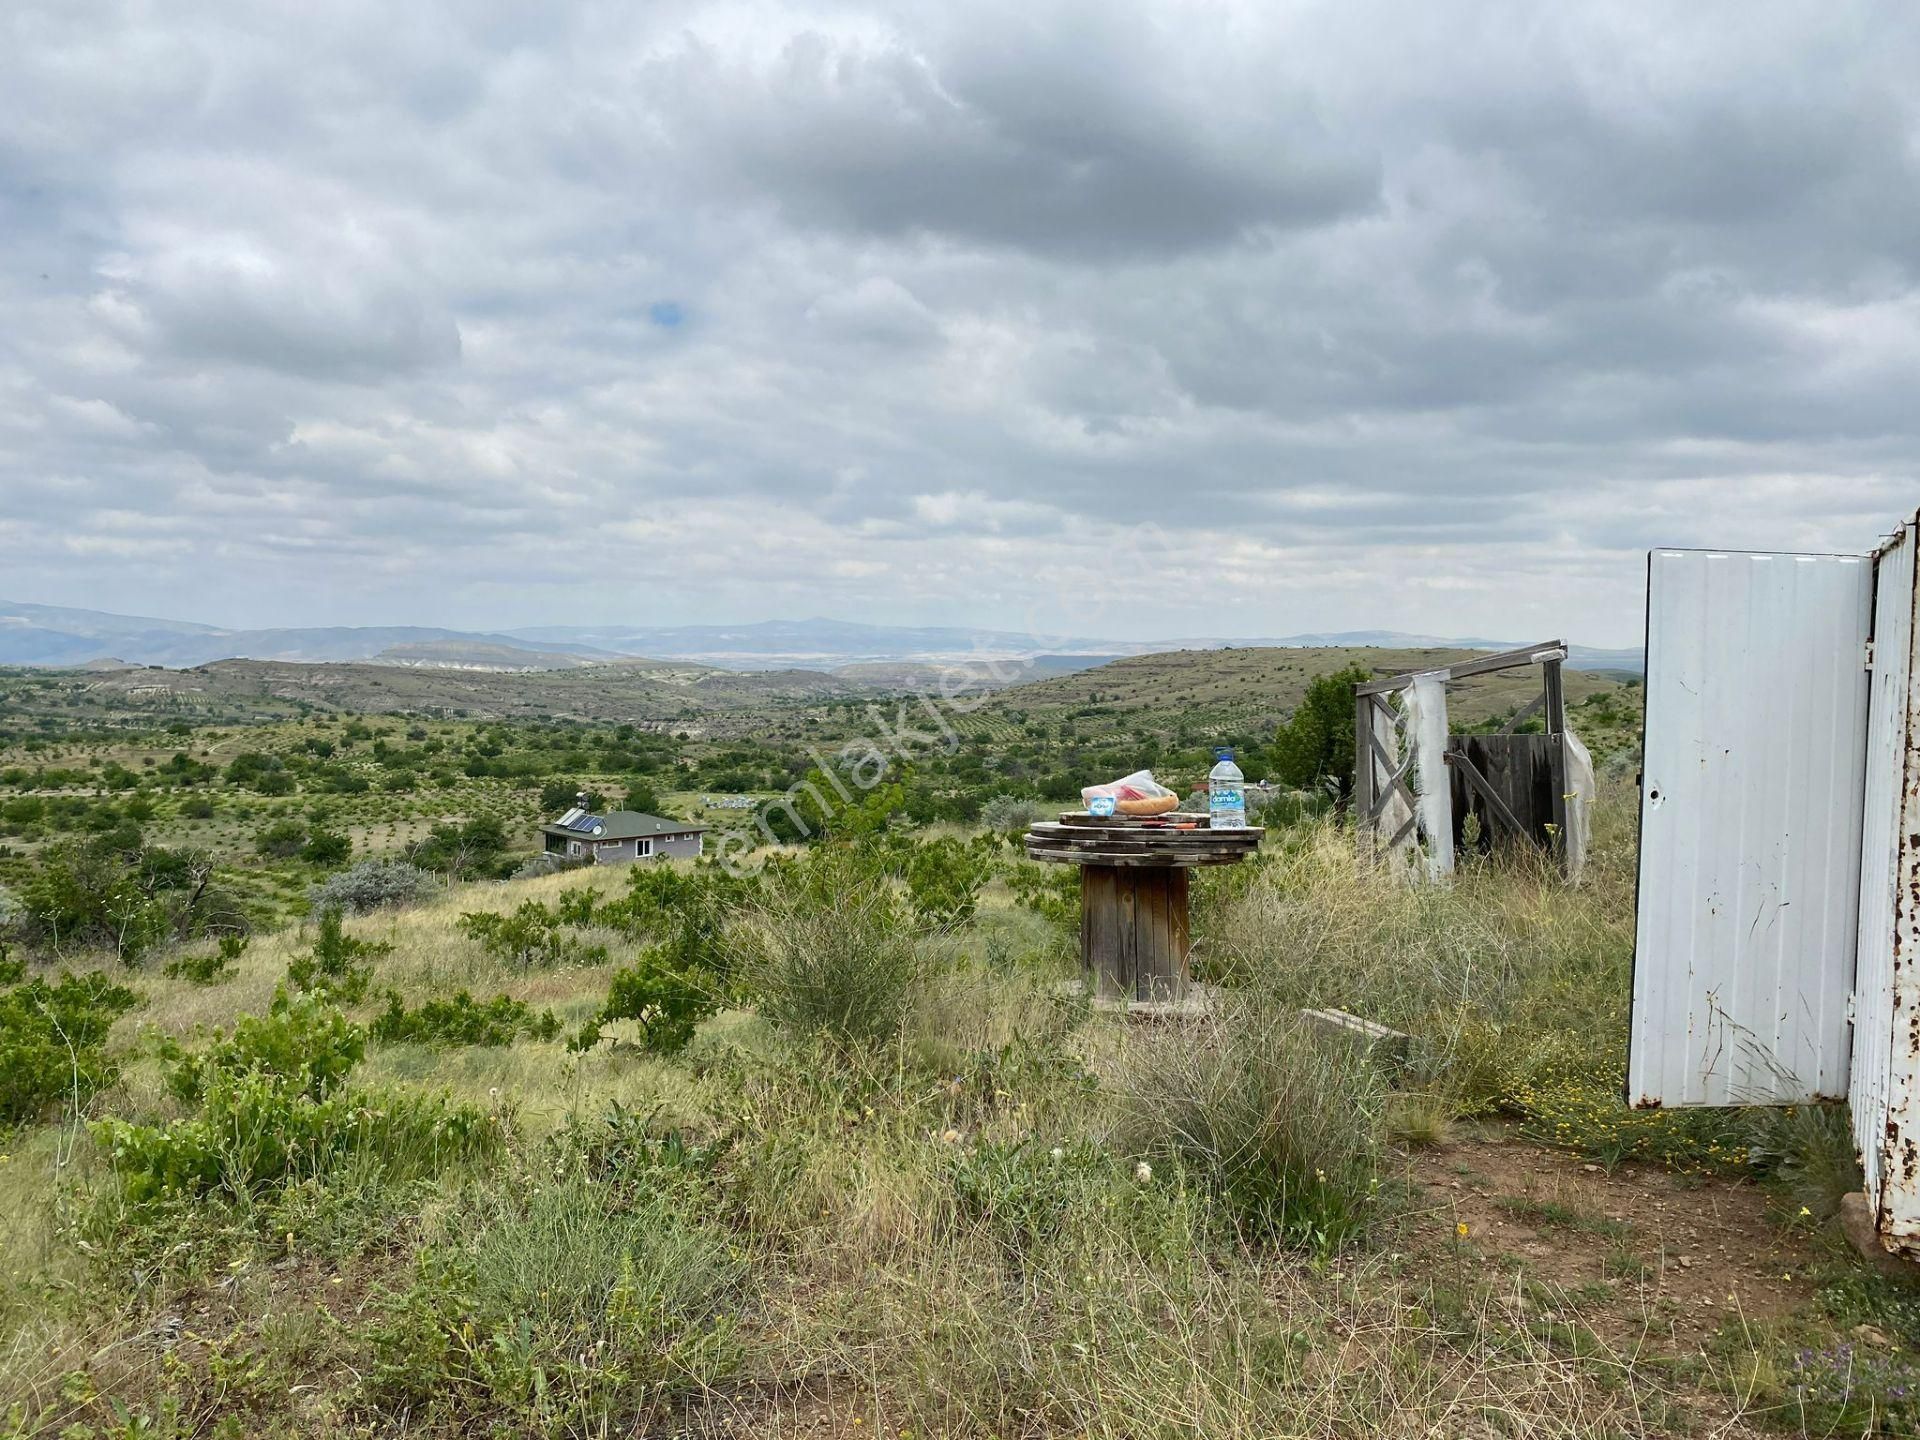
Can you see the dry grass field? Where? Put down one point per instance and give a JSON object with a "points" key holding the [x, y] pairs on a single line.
{"points": [[900, 1182]]}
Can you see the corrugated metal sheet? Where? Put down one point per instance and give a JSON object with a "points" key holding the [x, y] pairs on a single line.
{"points": [[1750, 827], [1886, 756], [1899, 1161]]}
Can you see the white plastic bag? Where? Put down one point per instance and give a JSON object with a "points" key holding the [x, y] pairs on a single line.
{"points": [[1135, 794]]}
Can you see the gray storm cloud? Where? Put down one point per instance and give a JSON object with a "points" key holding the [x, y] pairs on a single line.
{"points": [[1381, 314]]}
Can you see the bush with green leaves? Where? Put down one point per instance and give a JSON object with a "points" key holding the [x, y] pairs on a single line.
{"points": [[255, 770], [462, 1021], [1313, 747], [302, 1040], [531, 936], [331, 966], [1050, 891], [668, 1003], [473, 847], [371, 885], [944, 878], [212, 967], [326, 847], [53, 1041], [281, 840], [113, 892], [1007, 813], [272, 1108], [560, 1307], [682, 975], [255, 1132]]}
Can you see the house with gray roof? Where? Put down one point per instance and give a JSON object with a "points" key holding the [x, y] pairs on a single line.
{"points": [[620, 835]]}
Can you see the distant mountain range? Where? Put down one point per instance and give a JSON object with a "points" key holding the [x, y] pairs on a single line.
{"points": [[52, 635]]}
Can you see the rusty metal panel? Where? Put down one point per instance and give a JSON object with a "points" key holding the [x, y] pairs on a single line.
{"points": [[1898, 1162], [1749, 827], [1881, 852]]}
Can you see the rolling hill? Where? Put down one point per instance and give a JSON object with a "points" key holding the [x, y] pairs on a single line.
{"points": [[1251, 689]]}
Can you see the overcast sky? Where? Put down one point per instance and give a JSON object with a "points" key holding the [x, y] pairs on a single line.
{"points": [[1153, 319]]}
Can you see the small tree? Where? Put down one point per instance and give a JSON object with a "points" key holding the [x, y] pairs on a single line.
{"points": [[558, 795], [330, 966], [1314, 745]]}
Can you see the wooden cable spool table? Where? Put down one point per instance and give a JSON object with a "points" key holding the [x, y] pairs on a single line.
{"points": [[1134, 937]]}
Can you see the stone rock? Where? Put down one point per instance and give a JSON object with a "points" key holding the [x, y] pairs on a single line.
{"points": [[1857, 1224]]}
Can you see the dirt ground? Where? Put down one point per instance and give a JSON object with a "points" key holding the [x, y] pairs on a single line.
{"points": [[1679, 1255]]}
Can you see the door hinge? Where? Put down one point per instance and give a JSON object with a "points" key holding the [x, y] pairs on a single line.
{"points": [[1867, 659], [1851, 994]]}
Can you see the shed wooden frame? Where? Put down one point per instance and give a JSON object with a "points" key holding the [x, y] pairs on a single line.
{"points": [[1378, 777]]}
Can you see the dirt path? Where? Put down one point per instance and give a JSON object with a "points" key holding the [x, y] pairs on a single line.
{"points": [[1678, 1255]]}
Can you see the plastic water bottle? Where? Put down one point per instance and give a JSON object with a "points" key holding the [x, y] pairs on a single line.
{"points": [[1226, 793]]}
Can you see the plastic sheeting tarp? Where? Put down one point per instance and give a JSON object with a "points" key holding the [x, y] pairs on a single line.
{"points": [[1580, 796]]}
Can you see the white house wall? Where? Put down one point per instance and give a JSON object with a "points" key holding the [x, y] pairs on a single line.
{"points": [[1750, 827]]}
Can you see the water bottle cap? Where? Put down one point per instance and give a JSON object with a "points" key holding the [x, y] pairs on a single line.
{"points": [[1223, 752]]}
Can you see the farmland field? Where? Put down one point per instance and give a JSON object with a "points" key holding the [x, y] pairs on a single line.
{"points": [[831, 1146]]}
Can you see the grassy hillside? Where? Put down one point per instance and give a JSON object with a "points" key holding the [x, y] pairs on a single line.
{"points": [[1239, 690], [643, 692], [899, 1184]]}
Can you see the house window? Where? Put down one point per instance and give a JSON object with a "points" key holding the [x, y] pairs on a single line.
{"points": [[644, 849]]}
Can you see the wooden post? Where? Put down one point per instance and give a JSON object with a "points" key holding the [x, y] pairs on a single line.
{"points": [[1363, 823], [1134, 937], [1556, 698]]}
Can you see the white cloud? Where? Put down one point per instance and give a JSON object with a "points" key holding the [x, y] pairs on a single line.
{"points": [[1377, 315]]}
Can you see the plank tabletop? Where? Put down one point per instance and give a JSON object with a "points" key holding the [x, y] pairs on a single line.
{"points": [[1120, 840]]}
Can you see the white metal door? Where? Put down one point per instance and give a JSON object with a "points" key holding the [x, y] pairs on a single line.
{"points": [[1880, 851], [1749, 827]]}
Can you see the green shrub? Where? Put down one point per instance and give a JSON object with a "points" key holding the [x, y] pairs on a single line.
{"points": [[944, 877], [281, 840], [686, 909], [53, 1042], [256, 1133], [1280, 1119], [115, 893], [461, 851], [330, 967], [211, 968], [561, 1308], [1050, 891], [273, 1109], [531, 936], [462, 1021], [326, 847], [302, 1041], [667, 1000], [682, 976], [830, 953]]}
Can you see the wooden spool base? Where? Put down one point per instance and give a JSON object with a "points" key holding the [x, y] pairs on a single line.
{"points": [[1133, 931]]}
